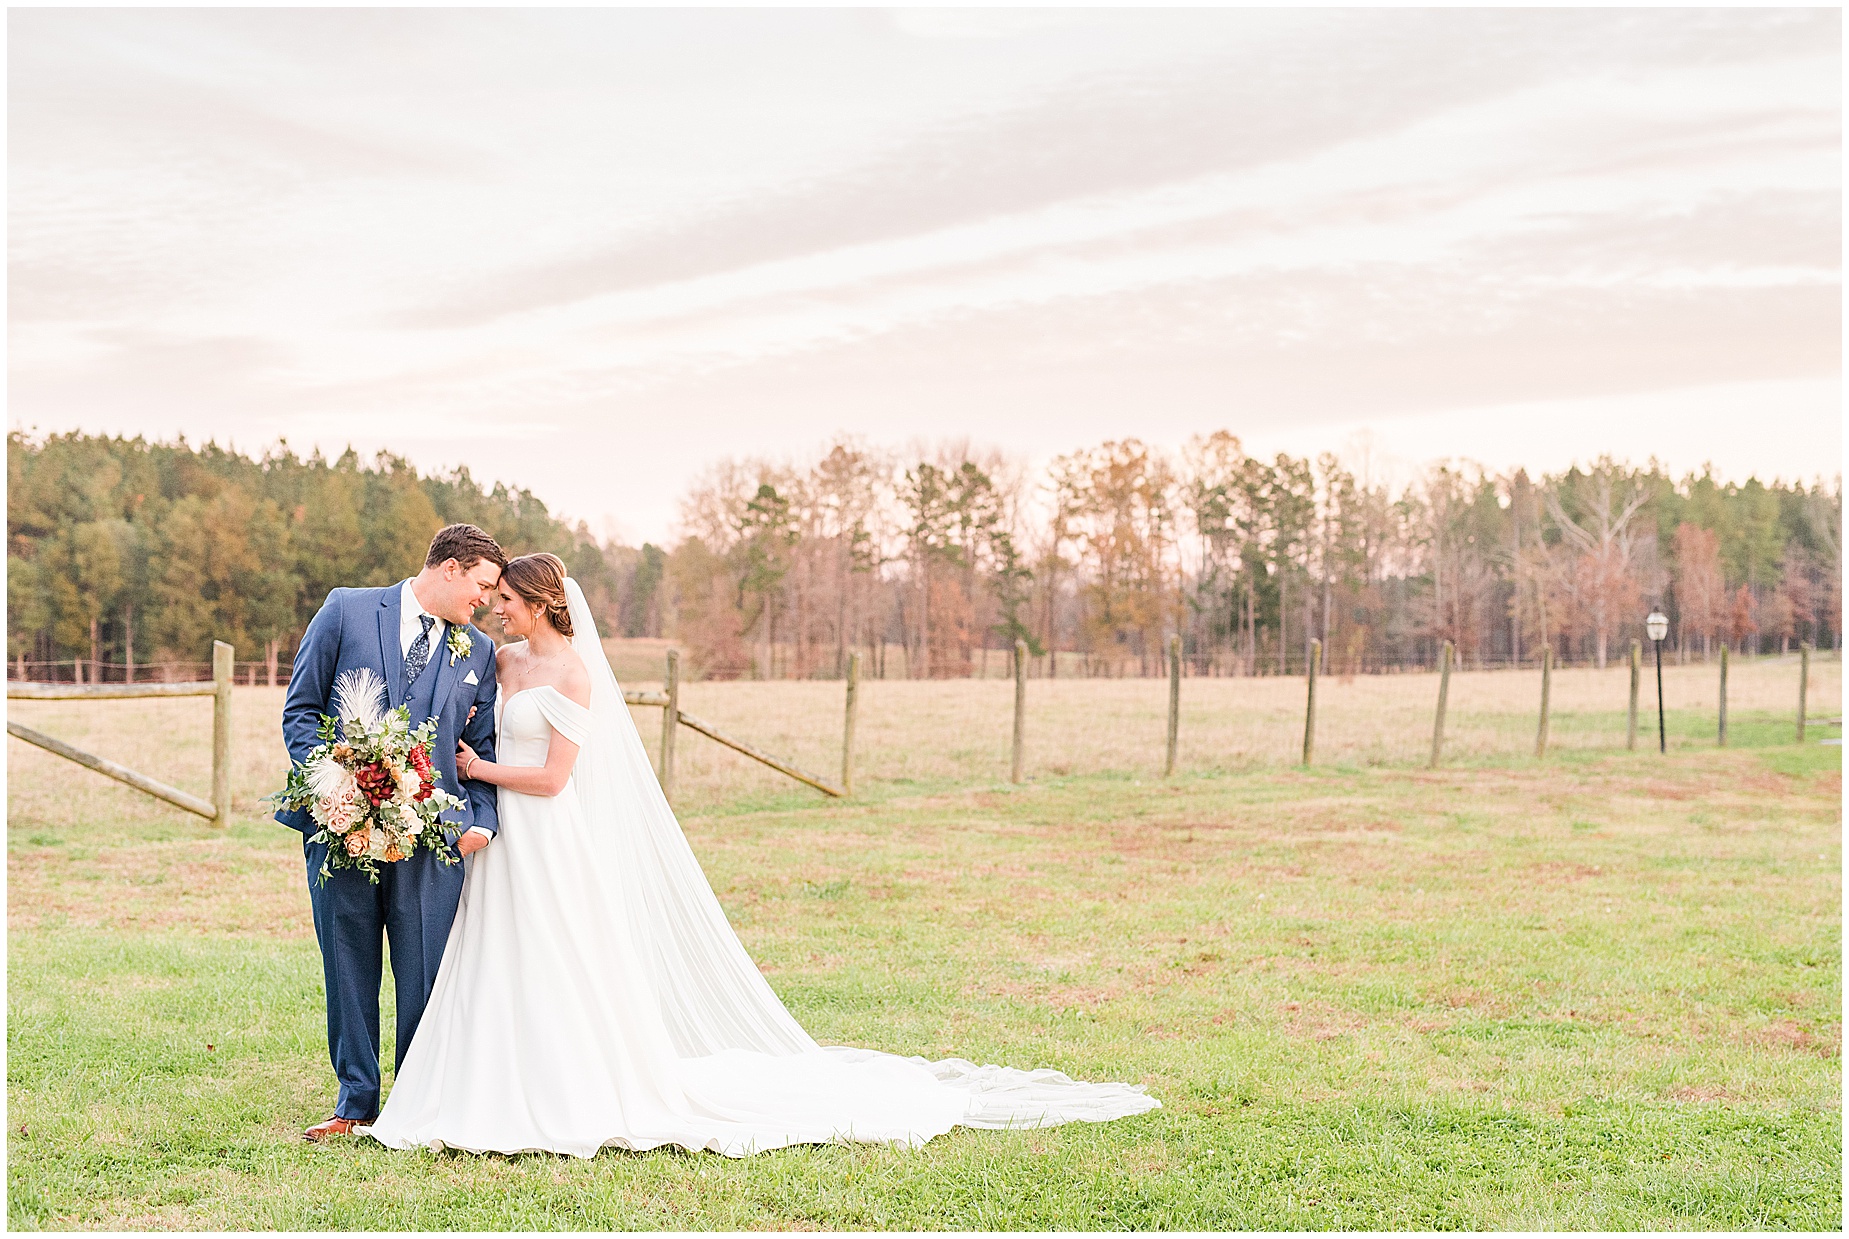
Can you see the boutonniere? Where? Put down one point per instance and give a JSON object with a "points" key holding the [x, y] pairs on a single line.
{"points": [[459, 644]]}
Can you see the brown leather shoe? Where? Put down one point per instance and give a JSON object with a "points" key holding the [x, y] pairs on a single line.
{"points": [[333, 1127]]}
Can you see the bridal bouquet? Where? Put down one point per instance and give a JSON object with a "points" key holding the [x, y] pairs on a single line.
{"points": [[369, 783]]}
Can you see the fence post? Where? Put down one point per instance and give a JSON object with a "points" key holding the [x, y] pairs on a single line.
{"points": [[670, 722], [1444, 693], [1309, 709], [1020, 707], [1174, 701], [847, 728], [222, 663], [1723, 735], [1547, 688], [1803, 685], [1630, 719]]}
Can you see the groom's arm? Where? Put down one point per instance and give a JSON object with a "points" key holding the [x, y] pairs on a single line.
{"points": [[478, 734], [311, 682]]}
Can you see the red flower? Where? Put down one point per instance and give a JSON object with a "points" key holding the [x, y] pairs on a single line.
{"points": [[376, 781], [419, 757]]}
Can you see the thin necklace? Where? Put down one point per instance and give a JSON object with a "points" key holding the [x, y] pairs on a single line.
{"points": [[535, 663]]}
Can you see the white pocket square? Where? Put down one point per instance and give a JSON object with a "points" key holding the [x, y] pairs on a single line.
{"points": [[470, 678]]}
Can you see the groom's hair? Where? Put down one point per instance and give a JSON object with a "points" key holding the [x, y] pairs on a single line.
{"points": [[465, 544]]}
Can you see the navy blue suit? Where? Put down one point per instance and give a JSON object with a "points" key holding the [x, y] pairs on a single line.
{"points": [[415, 900]]}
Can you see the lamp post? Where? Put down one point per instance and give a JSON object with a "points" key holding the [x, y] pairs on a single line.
{"points": [[1657, 626]]}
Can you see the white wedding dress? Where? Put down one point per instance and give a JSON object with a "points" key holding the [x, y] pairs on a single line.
{"points": [[592, 992]]}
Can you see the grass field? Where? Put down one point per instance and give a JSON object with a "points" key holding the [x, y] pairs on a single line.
{"points": [[1596, 991]]}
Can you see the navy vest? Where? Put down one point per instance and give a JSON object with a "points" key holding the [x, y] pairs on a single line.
{"points": [[422, 696]]}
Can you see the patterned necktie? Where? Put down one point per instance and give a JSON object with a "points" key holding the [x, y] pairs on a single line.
{"points": [[419, 657]]}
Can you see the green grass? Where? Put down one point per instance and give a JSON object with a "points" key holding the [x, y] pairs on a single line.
{"points": [[1596, 992]]}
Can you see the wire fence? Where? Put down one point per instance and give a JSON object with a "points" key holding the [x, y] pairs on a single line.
{"points": [[640, 659], [97, 671]]}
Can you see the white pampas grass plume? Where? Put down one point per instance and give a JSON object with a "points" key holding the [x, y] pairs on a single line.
{"points": [[327, 778], [359, 698]]}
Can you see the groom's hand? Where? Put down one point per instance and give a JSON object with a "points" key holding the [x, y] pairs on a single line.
{"points": [[471, 841]]}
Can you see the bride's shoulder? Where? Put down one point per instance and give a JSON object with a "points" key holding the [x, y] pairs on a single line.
{"points": [[575, 683]]}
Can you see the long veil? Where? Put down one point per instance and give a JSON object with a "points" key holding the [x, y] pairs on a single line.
{"points": [[713, 998]]}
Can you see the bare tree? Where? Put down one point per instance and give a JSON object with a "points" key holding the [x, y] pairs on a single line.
{"points": [[1700, 587], [1607, 538]]}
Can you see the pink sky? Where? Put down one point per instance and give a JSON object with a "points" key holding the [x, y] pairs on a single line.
{"points": [[590, 251]]}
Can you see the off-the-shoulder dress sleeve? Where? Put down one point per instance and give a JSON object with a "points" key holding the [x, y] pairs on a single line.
{"points": [[567, 717]]}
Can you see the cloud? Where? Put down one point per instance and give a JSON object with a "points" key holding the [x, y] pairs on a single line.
{"points": [[1466, 215], [1313, 84], [474, 227]]}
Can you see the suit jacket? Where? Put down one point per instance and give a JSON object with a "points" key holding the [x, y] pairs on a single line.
{"points": [[359, 628]]}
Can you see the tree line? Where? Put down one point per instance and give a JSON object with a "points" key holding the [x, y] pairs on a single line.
{"points": [[937, 556], [926, 560], [121, 551]]}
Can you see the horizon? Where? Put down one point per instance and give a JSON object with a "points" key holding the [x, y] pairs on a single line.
{"points": [[589, 253]]}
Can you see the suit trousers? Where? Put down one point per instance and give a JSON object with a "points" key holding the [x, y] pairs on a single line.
{"points": [[413, 907]]}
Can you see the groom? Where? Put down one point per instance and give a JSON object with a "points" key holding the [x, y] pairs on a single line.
{"points": [[416, 635]]}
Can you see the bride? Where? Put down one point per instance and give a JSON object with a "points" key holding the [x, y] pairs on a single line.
{"points": [[592, 992]]}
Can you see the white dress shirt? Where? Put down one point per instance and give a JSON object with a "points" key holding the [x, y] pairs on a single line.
{"points": [[410, 623]]}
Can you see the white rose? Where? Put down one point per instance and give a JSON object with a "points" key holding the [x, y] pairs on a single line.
{"points": [[342, 814]]}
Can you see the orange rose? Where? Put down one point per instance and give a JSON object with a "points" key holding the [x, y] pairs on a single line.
{"points": [[358, 841]]}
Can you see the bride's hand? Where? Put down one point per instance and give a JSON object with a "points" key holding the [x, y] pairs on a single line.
{"points": [[464, 755]]}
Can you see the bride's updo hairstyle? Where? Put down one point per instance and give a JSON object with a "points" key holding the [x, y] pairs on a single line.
{"points": [[540, 581]]}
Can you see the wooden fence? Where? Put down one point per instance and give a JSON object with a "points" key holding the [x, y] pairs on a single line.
{"points": [[218, 809], [673, 718], [224, 673], [1446, 658], [673, 715]]}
